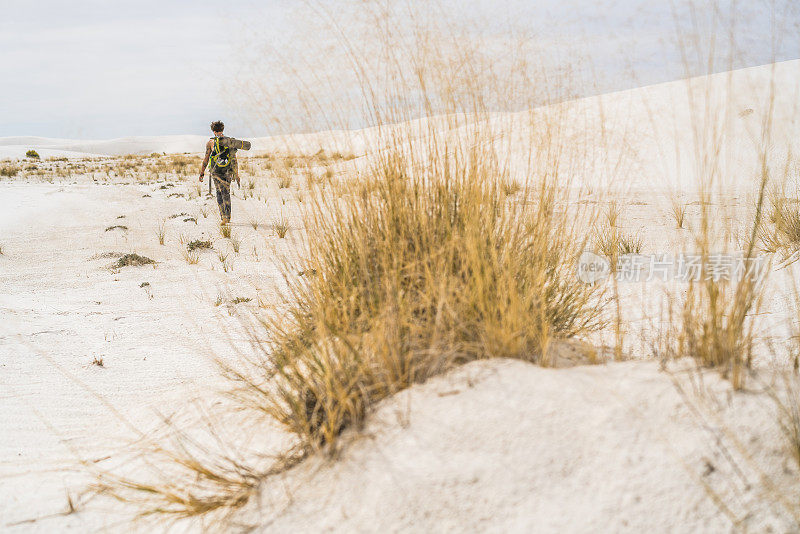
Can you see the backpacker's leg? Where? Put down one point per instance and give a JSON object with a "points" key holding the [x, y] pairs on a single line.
{"points": [[226, 198], [223, 197]]}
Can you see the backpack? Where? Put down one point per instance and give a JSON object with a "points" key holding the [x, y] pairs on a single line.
{"points": [[220, 155]]}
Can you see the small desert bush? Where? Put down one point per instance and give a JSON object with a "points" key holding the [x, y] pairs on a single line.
{"points": [[32, 154], [198, 245], [225, 230], [133, 260]]}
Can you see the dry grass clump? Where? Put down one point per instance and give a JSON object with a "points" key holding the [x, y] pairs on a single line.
{"points": [[613, 243], [431, 270], [192, 257], [716, 325], [782, 233], [9, 170], [280, 226], [284, 179], [678, 210], [225, 230]]}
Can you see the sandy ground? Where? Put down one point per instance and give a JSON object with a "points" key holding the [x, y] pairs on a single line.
{"points": [[496, 446], [63, 307]]}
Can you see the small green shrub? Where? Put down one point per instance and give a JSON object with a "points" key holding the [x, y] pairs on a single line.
{"points": [[32, 154], [197, 244], [133, 260]]}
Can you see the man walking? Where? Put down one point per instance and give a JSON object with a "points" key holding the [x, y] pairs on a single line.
{"points": [[221, 150]]}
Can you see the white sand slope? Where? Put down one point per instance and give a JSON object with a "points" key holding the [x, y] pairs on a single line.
{"points": [[505, 446]]}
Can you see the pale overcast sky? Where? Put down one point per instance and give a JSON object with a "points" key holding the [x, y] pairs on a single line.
{"points": [[99, 69]]}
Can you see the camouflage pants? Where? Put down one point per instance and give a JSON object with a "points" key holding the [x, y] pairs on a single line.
{"points": [[222, 183]]}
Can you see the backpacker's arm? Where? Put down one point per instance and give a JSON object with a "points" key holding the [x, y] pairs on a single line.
{"points": [[209, 146]]}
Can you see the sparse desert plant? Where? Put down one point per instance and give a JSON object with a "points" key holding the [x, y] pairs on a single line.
{"points": [[254, 223], [235, 243], [117, 227], [192, 257], [241, 300], [284, 180], [613, 214], [32, 154], [222, 256], [225, 230], [281, 227], [204, 212], [219, 300], [98, 361], [678, 212], [630, 244]]}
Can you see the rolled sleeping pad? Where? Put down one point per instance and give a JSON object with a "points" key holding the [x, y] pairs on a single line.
{"points": [[245, 145]]}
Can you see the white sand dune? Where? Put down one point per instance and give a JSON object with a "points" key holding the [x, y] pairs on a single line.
{"points": [[496, 446], [505, 446], [15, 147]]}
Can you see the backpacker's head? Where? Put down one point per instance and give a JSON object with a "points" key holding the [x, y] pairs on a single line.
{"points": [[217, 127]]}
